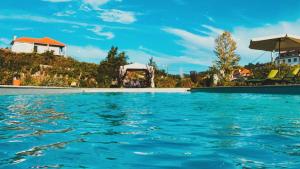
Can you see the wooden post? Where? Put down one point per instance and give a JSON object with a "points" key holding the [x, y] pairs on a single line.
{"points": [[279, 54]]}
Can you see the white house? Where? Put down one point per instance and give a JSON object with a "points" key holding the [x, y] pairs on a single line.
{"points": [[38, 45], [289, 57]]}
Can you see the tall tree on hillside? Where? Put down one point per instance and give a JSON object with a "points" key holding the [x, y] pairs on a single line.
{"points": [[227, 59], [108, 70]]}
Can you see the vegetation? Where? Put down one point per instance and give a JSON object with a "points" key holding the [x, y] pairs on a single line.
{"points": [[227, 59], [261, 71], [48, 69], [164, 80], [108, 70], [45, 70], [227, 62]]}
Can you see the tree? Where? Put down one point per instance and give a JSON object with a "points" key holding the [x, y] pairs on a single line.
{"points": [[152, 63], [227, 59], [108, 70]]}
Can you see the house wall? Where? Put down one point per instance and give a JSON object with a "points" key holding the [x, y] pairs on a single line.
{"points": [[290, 60], [56, 50], [41, 48], [28, 48], [19, 47]]}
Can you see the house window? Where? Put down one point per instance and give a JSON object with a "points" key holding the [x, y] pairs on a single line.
{"points": [[35, 49], [61, 50], [295, 59], [289, 60]]}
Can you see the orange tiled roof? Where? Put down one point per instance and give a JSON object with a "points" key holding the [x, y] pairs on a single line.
{"points": [[245, 71], [44, 41]]}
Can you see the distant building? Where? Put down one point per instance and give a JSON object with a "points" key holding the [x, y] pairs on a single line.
{"points": [[287, 46], [37, 45], [288, 57]]}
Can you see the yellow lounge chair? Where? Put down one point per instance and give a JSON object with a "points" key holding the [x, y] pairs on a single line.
{"points": [[291, 77], [271, 76]]}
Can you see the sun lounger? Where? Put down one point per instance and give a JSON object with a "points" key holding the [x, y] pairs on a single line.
{"points": [[271, 77], [291, 77]]}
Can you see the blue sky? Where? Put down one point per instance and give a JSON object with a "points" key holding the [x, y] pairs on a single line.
{"points": [[179, 34]]}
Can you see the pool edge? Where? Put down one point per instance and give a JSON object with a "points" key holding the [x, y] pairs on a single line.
{"points": [[269, 89]]}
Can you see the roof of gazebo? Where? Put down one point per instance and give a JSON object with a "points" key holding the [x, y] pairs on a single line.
{"points": [[136, 66]]}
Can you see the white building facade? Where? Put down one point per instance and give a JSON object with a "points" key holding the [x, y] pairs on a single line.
{"points": [[290, 60], [38, 45]]}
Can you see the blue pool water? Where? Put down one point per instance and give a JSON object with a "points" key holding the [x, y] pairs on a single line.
{"points": [[168, 131]]}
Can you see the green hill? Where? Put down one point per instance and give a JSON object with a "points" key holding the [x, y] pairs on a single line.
{"points": [[46, 70]]}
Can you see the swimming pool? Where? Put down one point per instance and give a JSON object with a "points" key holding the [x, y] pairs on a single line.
{"points": [[150, 130]]}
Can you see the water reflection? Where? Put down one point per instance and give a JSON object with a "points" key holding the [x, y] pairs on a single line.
{"points": [[39, 150], [148, 130], [24, 117]]}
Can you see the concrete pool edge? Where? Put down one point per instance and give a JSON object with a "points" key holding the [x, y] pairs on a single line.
{"points": [[268, 89], [22, 90]]}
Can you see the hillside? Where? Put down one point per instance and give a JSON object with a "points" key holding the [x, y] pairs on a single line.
{"points": [[46, 70]]}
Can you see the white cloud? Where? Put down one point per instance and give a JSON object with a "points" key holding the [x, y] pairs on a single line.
{"points": [[46, 20], [86, 53], [191, 40], [202, 46], [4, 42], [171, 59], [114, 15], [41, 19], [56, 1], [196, 47], [95, 28], [98, 30], [95, 4], [67, 31], [65, 13], [93, 38], [171, 62], [212, 30], [211, 19]]}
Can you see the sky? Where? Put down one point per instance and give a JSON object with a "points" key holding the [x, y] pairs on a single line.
{"points": [[178, 34]]}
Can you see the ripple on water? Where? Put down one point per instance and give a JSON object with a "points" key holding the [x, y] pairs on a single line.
{"points": [[146, 130]]}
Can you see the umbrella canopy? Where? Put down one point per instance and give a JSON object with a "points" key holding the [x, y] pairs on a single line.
{"points": [[276, 43]]}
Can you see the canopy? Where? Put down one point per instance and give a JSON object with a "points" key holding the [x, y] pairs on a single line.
{"points": [[276, 43], [137, 66]]}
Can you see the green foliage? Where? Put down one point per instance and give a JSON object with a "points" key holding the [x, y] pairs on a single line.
{"points": [[45, 69], [261, 71], [165, 81], [186, 83], [108, 70], [48, 69], [202, 79], [227, 59]]}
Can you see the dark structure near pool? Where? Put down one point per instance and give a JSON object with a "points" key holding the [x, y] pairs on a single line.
{"points": [[284, 89]]}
